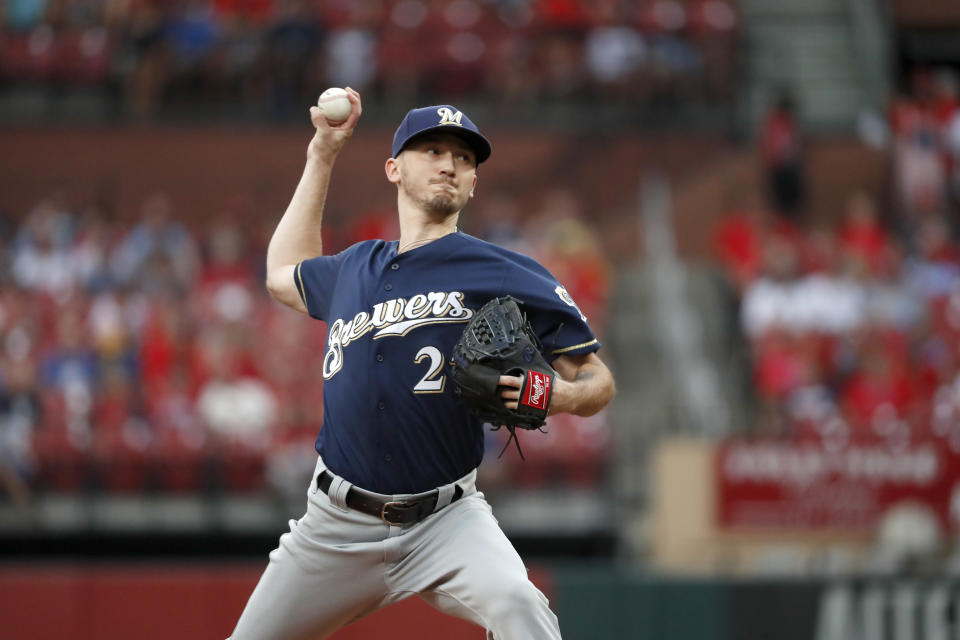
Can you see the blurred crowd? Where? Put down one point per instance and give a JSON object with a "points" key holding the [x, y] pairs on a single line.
{"points": [[266, 57], [854, 325], [139, 350]]}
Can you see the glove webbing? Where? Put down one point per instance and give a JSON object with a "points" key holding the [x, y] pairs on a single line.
{"points": [[513, 430], [513, 437]]}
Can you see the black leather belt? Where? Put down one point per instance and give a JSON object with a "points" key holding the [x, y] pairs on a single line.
{"points": [[393, 512]]}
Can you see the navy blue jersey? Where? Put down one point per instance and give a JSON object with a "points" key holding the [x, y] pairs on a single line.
{"points": [[392, 422]]}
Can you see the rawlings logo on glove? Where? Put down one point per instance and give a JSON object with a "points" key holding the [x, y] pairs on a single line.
{"points": [[538, 390], [500, 341]]}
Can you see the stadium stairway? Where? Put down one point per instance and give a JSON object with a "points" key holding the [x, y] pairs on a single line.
{"points": [[675, 347], [833, 55]]}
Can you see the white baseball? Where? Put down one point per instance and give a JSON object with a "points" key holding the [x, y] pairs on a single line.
{"points": [[334, 105]]}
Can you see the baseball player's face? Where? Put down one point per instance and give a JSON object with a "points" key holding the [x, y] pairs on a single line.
{"points": [[438, 172]]}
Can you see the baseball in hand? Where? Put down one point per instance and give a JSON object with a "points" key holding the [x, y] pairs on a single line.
{"points": [[334, 105]]}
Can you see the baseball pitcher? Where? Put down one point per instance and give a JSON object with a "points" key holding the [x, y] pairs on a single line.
{"points": [[429, 336]]}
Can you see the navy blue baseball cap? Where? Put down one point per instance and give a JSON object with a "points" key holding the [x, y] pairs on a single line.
{"points": [[440, 118]]}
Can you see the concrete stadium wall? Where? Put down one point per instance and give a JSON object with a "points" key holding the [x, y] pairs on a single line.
{"points": [[204, 169]]}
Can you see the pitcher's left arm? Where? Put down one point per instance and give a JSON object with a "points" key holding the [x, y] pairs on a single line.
{"points": [[583, 386]]}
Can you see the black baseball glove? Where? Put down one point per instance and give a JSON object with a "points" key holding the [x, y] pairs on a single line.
{"points": [[500, 341]]}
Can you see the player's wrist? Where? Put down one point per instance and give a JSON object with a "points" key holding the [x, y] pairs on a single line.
{"points": [[561, 396], [322, 151]]}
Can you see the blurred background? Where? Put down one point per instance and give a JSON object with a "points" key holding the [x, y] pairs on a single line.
{"points": [[755, 202]]}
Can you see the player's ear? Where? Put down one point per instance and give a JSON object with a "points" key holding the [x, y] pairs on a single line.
{"points": [[473, 187], [392, 169]]}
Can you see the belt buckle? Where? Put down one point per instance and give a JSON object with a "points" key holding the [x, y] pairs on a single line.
{"points": [[387, 505]]}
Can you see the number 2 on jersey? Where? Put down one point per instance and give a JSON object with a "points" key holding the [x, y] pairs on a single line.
{"points": [[430, 383]]}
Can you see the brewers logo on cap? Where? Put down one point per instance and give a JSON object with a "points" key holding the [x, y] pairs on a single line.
{"points": [[424, 120], [447, 116]]}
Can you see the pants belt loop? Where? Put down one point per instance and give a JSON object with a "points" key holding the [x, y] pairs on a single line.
{"points": [[446, 495], [338, 492], [317, 470]]}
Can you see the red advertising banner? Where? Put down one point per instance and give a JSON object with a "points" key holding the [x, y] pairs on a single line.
{"points": [[805, 485]]}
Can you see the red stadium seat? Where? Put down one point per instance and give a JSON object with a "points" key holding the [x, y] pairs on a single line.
{"points": [[61, 460], [661, 16], [84, 57], [178, 461], [29, 57], [120, 457], [571, 451], [241, 467]]}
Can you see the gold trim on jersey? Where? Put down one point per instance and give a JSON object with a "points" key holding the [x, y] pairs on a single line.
{"points": [[574, 347], [303, 294]]}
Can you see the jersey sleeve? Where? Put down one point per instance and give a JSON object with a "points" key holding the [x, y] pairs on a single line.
{"points": [[556, 318], [316, 279]]}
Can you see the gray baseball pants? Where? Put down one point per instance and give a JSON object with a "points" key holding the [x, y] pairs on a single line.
{"points": [[337, 565]]}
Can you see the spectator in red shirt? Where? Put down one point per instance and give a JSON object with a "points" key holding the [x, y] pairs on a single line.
{"points": [[879, 389], [738, 241], [861, 236], [781, 147]]}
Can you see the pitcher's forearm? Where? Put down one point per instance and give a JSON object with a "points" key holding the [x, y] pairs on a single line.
{"points": [[297, 236], [589, 391], [583, 386]]}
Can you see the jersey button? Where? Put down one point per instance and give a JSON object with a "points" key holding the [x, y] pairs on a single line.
{"points": [[394, 266], [388, 457], [388, 287], [379, 357], [381, 405]]}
